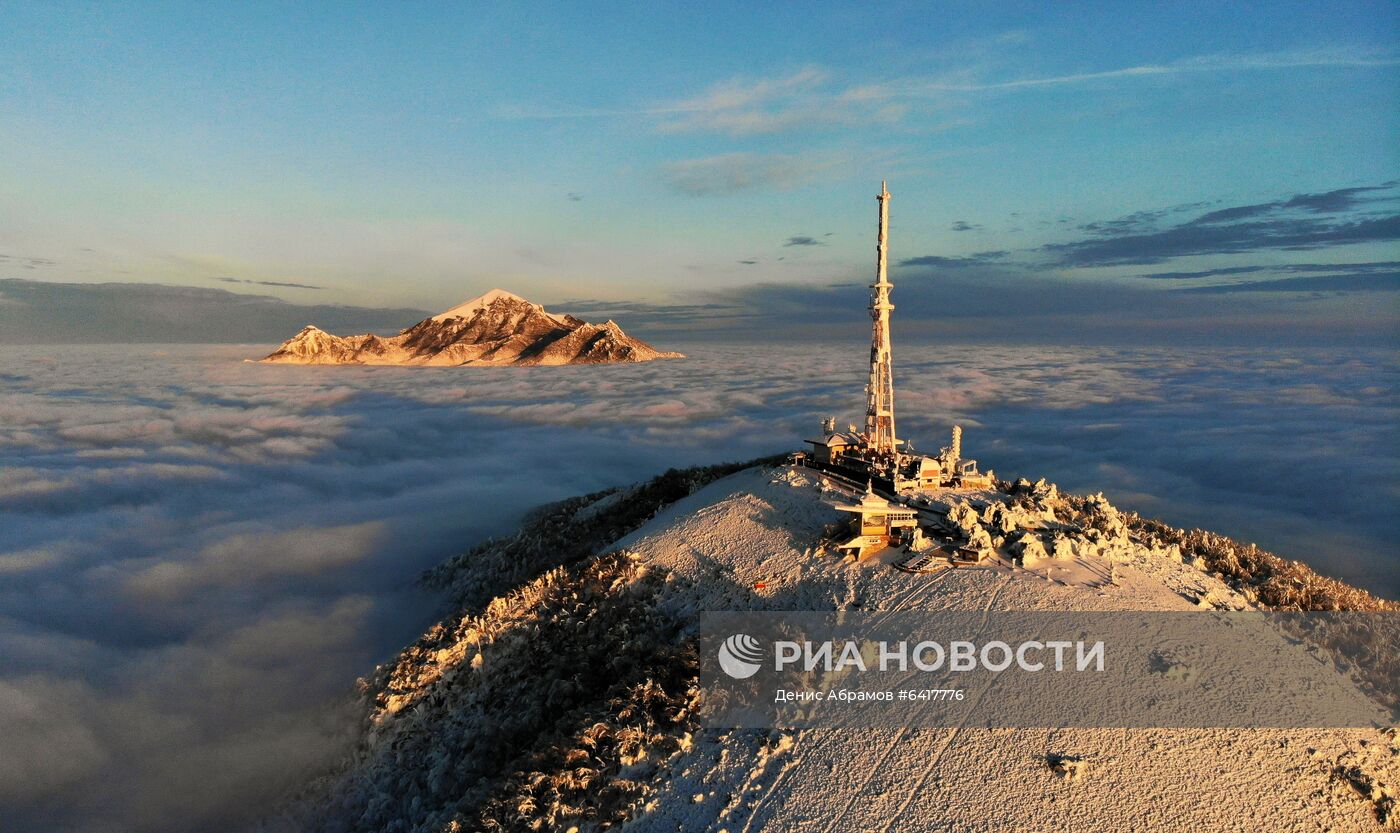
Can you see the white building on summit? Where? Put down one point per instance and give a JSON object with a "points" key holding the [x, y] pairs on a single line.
{"points": [[875, 454], [877, 524]]}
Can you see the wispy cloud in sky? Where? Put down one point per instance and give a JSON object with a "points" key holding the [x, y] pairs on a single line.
{"points": [[1243, 62], [815, 97], [733, 172], [803, 100]]}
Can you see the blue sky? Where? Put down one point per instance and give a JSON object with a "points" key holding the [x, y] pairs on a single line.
{"points": [[415, 154]]}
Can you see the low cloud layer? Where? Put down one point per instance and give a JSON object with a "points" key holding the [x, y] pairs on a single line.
{"points": [[1288, 268], [940, 262], [1360, 281], [41, 312], [200, 555], [732, 173], [283, 284], [1301, 222], [986, 303]]}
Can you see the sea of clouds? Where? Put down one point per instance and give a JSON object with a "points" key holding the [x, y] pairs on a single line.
{"points": [[198, 556]]}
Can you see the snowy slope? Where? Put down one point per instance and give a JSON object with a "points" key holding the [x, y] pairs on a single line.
{"points": [[559, 693], [470, 309]]}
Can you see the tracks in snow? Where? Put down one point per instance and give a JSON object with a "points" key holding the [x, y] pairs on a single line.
{"points": [[948, 741], [920, 591], [804, 746]]}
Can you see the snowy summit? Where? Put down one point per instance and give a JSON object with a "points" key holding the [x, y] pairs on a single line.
{"points": [[469, 309], [560, 689], [497, 328]]}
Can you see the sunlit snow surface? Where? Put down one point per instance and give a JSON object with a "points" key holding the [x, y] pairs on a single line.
{"points": [[196, 553]]}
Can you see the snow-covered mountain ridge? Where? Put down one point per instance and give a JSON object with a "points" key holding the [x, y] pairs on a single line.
{"points": [[560, 690], [497, 328]]}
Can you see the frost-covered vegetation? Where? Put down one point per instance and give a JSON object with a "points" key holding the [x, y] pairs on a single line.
{"points": [[1267, 580], [1271, 581], [551, 709]]}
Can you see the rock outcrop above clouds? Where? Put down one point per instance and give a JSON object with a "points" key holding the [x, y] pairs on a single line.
{"points": [[498, 328]]}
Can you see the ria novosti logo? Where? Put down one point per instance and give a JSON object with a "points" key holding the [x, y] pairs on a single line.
{"points": [[740, 656]]}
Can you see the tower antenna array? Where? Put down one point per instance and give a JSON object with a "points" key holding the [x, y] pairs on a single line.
{"points": [[879, 415]]}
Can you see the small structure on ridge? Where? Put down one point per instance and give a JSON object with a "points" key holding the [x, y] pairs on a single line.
{"points": [[877, 524]]}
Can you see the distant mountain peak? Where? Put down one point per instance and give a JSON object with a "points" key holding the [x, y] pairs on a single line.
{"points": [[498, 327]]}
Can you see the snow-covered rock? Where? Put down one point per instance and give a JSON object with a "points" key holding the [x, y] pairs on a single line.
{"points": [[964, 517], [980, 540], [1029, 549], [495, 328]]}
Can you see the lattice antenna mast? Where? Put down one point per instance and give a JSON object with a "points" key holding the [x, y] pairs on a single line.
{"points": [[879, 416]]}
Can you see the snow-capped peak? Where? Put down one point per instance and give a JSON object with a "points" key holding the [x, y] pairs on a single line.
{"points": [[499, 327], [467, 309]]}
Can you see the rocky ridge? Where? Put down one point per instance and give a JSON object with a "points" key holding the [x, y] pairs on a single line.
{"points": [[497, 328]]}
